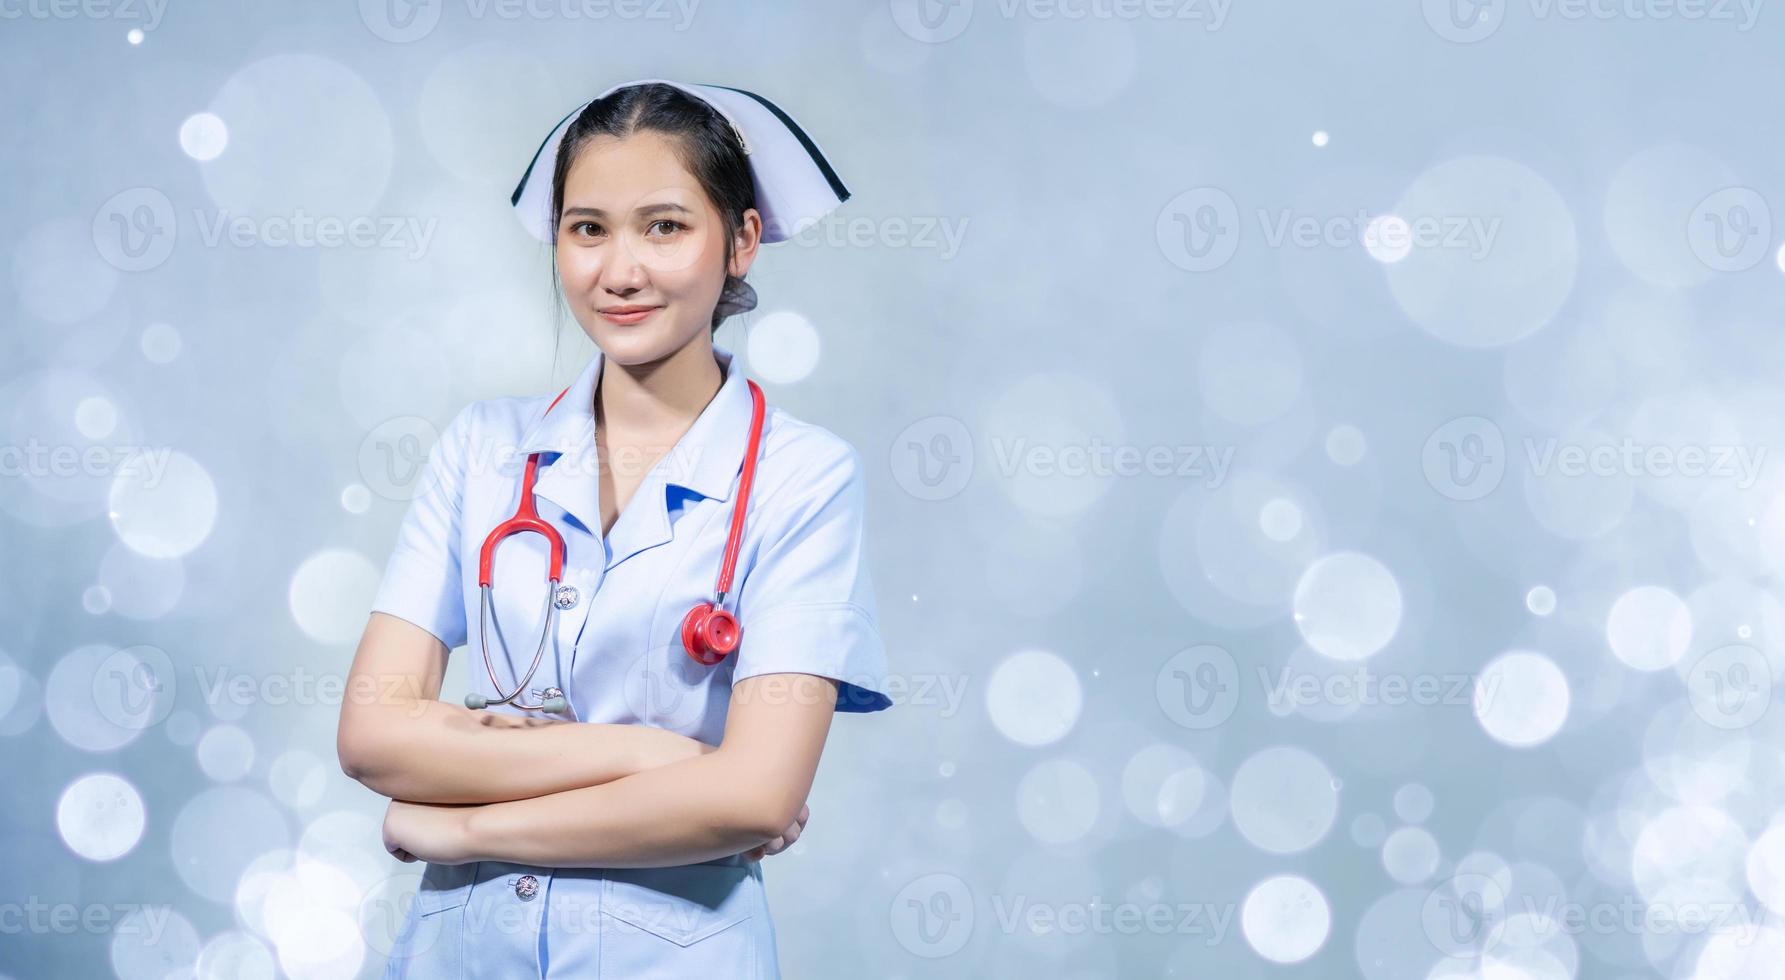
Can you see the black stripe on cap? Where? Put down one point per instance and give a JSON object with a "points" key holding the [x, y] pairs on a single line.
{"points": [[515, 198], [824, 166]]}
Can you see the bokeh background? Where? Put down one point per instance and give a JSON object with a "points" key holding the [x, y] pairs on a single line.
{"points": [[1326, 500]]}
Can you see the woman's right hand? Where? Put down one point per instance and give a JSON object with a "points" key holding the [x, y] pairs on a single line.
{"points": [[784, 841]]}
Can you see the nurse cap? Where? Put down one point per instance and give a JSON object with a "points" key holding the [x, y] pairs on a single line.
{"points": [[795, 184]]}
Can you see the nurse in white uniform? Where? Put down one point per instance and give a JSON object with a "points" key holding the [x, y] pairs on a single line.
{"points": [[644, 730]]}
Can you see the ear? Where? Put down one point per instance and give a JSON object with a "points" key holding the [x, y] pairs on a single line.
{"points": [[745, 243]]}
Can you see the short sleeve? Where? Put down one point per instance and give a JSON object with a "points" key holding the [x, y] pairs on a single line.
{"points": [[423, 581], [807, 604]]}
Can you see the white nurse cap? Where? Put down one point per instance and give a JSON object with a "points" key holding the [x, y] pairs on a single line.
{"points": [[795, 184]]}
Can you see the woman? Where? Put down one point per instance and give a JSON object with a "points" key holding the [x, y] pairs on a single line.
{"points": [[605, 815]]}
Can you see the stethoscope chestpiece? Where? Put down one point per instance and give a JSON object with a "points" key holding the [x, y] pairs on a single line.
{"points": [[710, 634]]}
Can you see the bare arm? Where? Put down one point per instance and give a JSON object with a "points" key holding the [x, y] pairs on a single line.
{"points": [[742, 795], [397, 738]]}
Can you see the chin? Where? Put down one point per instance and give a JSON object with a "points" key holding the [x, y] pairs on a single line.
{"points": [[632, 346]]}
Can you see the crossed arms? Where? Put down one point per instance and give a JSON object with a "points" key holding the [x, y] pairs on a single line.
{"points": [[475, 786]]}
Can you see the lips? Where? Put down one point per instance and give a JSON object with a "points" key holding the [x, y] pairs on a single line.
{"points": [[627, 315]]}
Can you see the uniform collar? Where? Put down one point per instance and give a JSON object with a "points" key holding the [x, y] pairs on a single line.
{"points": [[706, 459]]}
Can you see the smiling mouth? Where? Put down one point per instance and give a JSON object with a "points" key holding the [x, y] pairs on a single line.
{"points": [[628, 314]]}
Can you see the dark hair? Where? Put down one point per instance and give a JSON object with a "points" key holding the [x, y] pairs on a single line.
{"points": [[704, 141]]}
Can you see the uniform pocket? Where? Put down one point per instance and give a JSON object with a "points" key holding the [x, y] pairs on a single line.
{"points": [[444, 886], [690, 920], [431, 944]]}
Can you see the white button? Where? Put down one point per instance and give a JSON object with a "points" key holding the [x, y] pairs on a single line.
{"points": [[566, 597]]}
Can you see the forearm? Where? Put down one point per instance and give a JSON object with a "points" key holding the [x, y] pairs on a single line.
{"points": [[429, 751], [683, 813]]}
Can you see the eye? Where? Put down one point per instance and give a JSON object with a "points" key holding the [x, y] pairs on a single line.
{"points": [[576, 229], [674, 226]]}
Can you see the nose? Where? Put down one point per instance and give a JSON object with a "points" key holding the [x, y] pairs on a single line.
{"points": [[622, 274]]}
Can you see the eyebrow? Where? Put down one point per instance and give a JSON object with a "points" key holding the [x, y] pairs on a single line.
{"points": [[647, 209]]}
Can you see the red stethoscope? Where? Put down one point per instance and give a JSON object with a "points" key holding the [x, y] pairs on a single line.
{"points": [[709, 632]]}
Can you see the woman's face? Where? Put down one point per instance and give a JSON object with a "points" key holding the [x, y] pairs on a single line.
{"points": [[641, 251]]}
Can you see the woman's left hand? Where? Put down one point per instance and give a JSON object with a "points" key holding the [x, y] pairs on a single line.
{"points": [[426, 832]]}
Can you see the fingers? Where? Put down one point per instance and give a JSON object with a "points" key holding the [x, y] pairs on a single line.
{"points": [[792, 834], [787, 839]]}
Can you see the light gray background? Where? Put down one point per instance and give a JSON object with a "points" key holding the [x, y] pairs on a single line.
{"points": [[1163, 454]]}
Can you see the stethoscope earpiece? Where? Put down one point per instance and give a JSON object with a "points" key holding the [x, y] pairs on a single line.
{"points": [[709, 633]]}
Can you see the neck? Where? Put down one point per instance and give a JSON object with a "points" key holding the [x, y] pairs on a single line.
{"points": [[664, 394]]}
